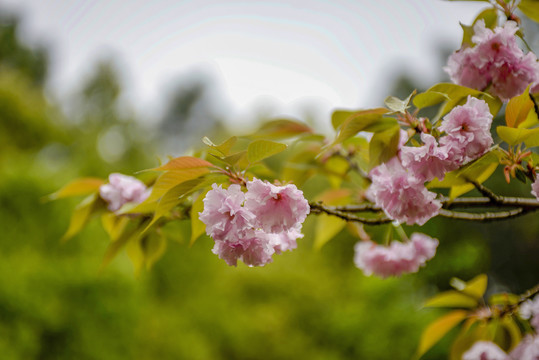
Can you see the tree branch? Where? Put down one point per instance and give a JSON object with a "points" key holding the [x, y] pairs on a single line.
{"points": [[484, 217], [318, 208]]}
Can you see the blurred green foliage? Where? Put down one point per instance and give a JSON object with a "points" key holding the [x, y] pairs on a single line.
{"points": [[55, 304]]}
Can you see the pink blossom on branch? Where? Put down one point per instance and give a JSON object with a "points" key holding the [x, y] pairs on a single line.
{"points": [[253, 226], [122, 189], [484, 350], [527, 349], [397, 258], [428, 161], [495, 62], [401, 195], [467, 131], [277, 208]]}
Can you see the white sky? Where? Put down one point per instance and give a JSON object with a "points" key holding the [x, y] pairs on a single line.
{"points": [[276, 55]]}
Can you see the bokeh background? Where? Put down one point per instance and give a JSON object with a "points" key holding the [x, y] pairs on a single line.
{"points": [[93, 87]]}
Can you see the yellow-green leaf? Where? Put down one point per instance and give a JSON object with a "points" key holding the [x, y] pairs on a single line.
{"points": [[490, 16], [518, 108], [451, 299], [172, 198], [130, 234], [114, 225], [479, 170], [367, 120], [82, 214], [429, 98], [145, 251], [82, 186], [513, 331], [261, 149], [530, 8], [398, 105], [438, 328], [282, 129], [184, 162], [326, 228], [504, 299], [197, 226], [476, 287], [514, 136], [383, 146]]}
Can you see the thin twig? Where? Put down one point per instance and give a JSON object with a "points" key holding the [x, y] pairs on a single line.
{"points": [[318, 208], [485, 216]]}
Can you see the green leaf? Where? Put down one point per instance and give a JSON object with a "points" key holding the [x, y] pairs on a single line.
{"points": [[326, 229], [82, 186], [429, 98], [438, 328], [490, 16], [476, 287], [262, 149], [114, 225], [183, 163], [383, 146], [398, 105], [515, 136], [82, 214], [504, 299], [197, 226], [513, 331], [130, 234], [518, 108], [145, 251], [479, 170], [451, 299], [281, 129], [367, 120], [172, 198], [234, 158], [530, 8]]}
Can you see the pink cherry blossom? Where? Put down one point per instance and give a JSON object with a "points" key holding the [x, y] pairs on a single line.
{"points": [[530, 310], [535, 188], [277, 208], [224, 215], [397, 258], [495, 60], [467, 129], [401, 195], [428, 161], [484, 350], [122, 189], [527, 349], [244, 225], [255, 249]]}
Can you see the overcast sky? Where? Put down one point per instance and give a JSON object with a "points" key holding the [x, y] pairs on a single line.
{"points": [[276, 54]]}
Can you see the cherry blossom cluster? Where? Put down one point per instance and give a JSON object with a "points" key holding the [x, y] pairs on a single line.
{"points": [[527, 349], [253, 226], [397, 258], [495, 62], [398, 186], [123, 189], [530, 311]]}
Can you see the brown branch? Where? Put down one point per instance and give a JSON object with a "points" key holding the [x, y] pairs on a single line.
{"points": [[510, 309], [318, 208], [484, 217]]}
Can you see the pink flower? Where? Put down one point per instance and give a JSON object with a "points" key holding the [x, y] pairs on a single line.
{"points": [[528, 349], [122, 189], [397, 258], [255, 249], [245, 225], [535, 188], [484, 350], [428, 161], [277, 208], [495, 60], [530, 310], [401, 195], [224, 215], [286, 240], [467, 129]]}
